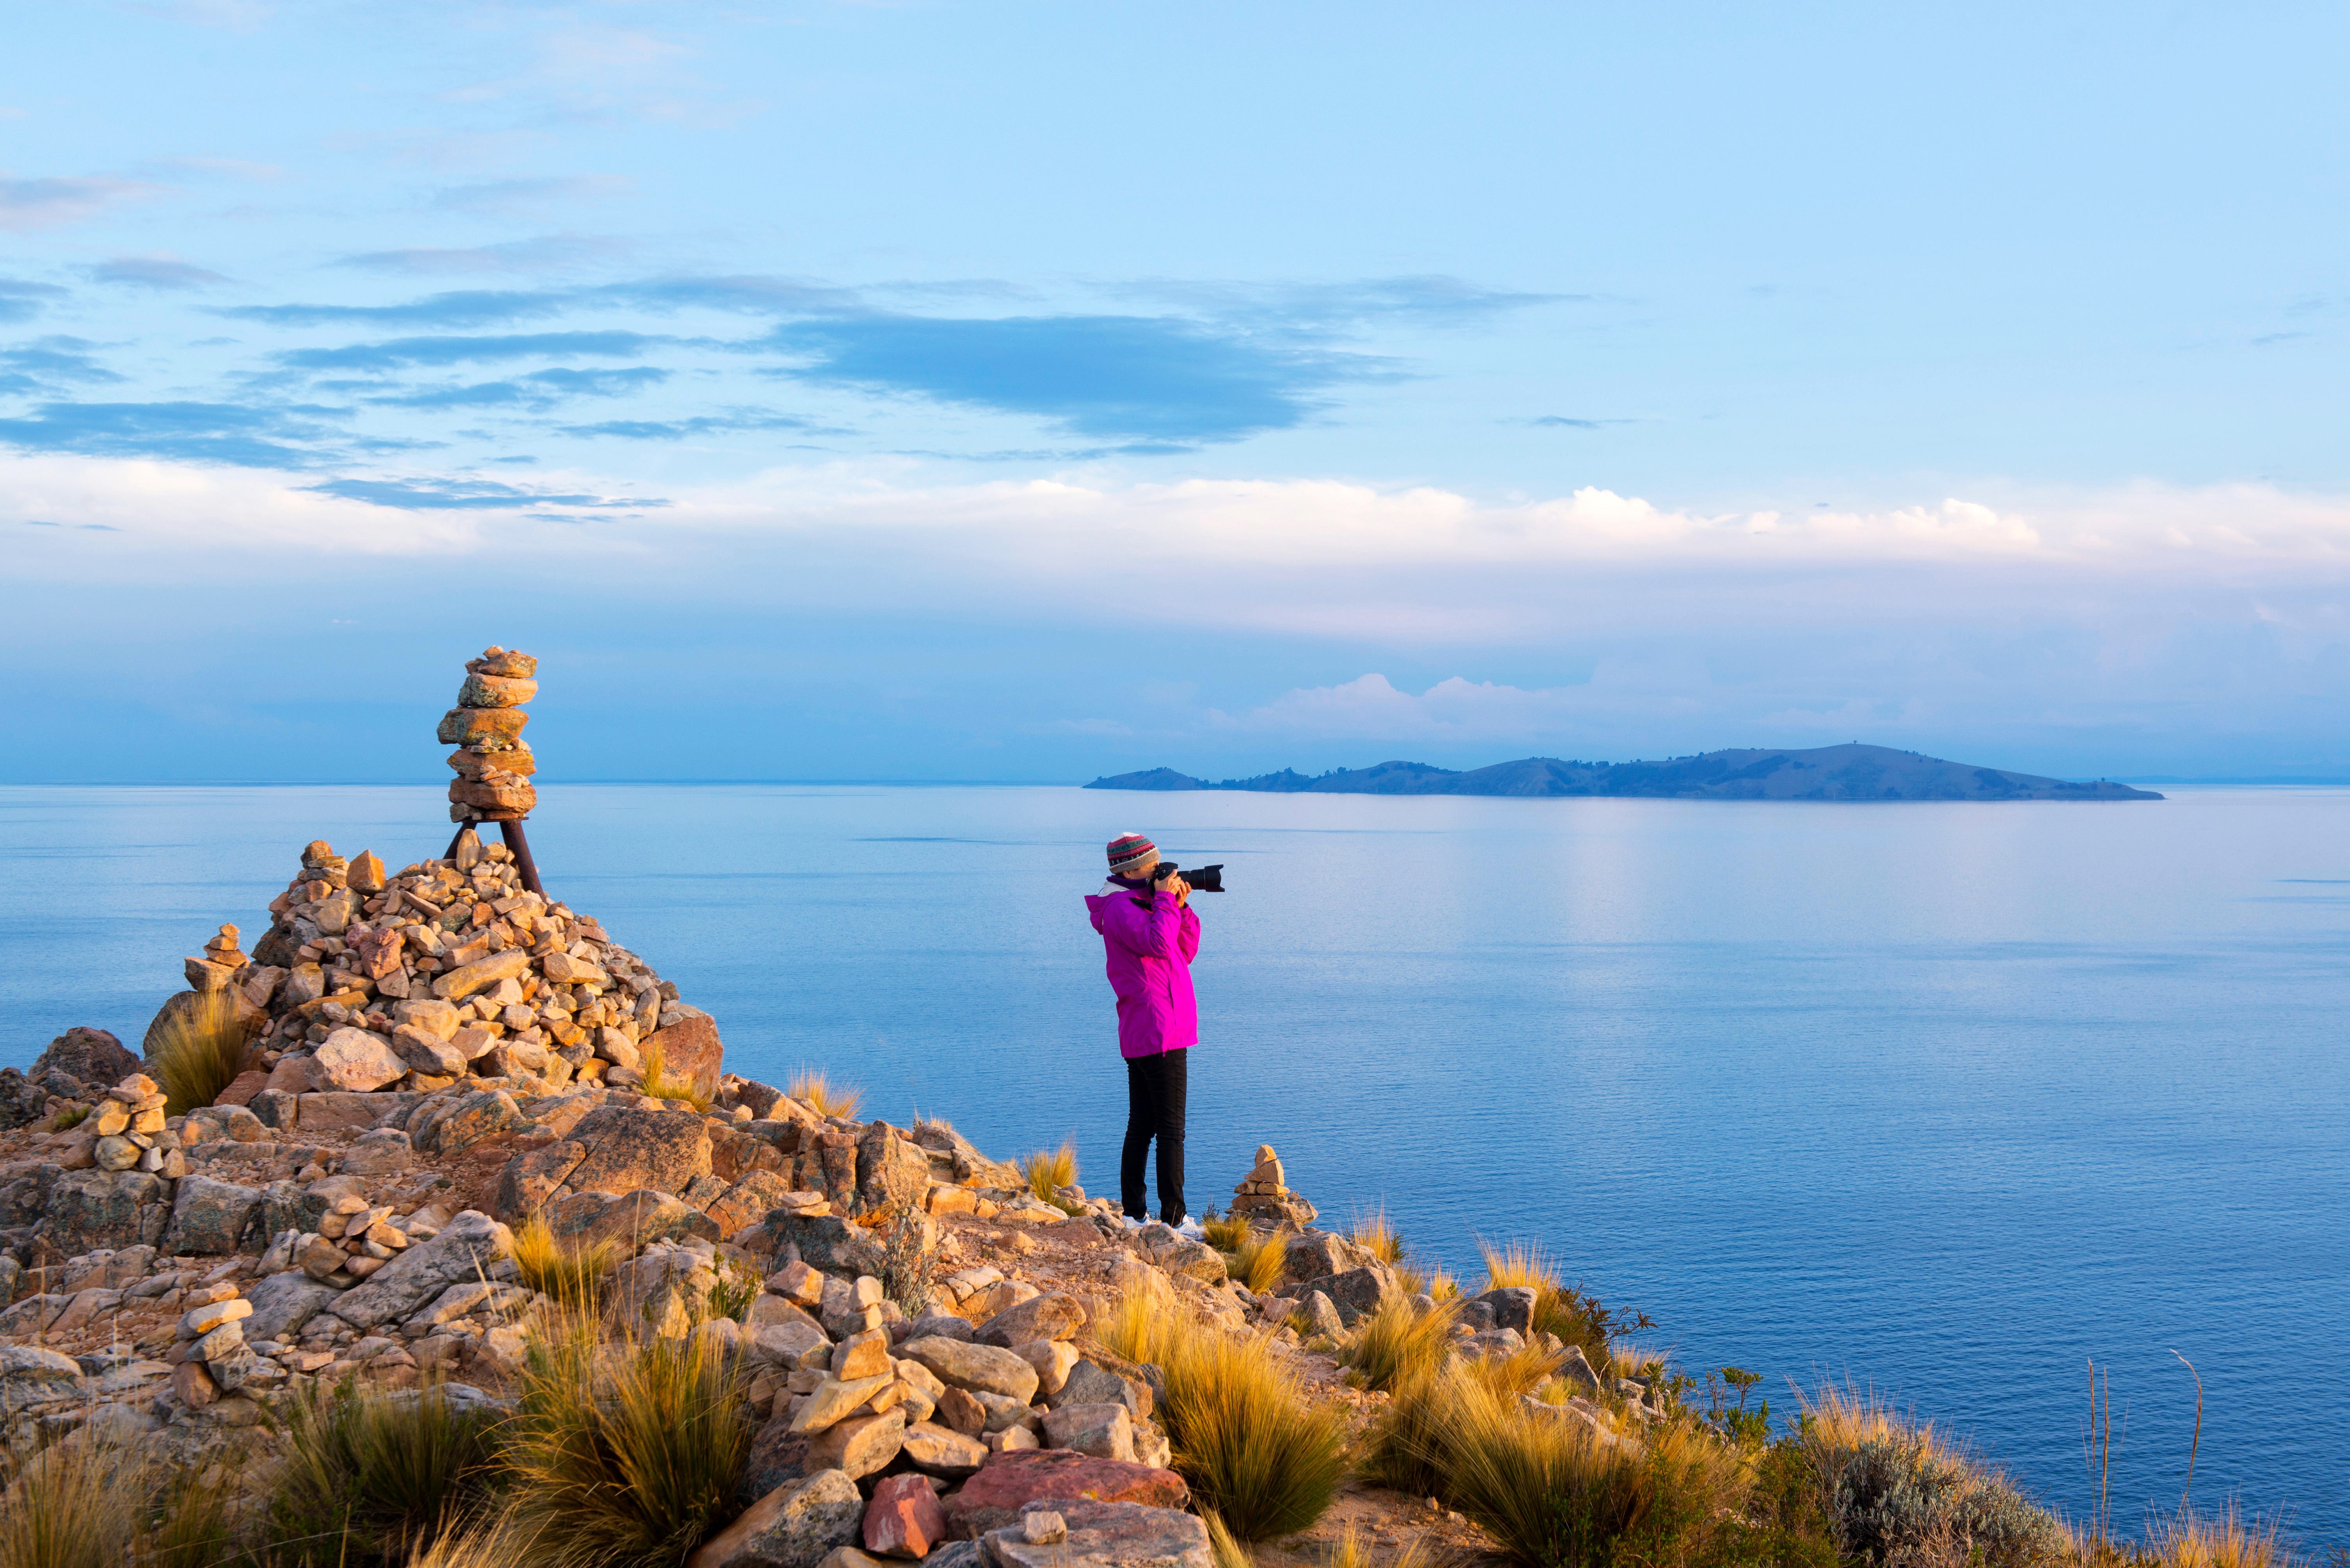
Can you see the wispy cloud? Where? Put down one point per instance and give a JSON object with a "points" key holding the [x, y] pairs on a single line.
{"points": [[50, 360], [509, 198], [189, 431], [1321, 306], [1108, 376], [537, 392], [699, 425], [548, 253], [42, 203], [399, 352], [467, 307], [166, 272], [21, 299], [468, 495]]}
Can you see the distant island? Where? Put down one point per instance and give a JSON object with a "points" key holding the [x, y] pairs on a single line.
{"points": [[1823, 773]]}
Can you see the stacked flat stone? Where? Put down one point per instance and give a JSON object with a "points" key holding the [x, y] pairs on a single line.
{"points": [[209, 1355], [492, 762], [448, 968], [129, 1121], [1263, 1194]]}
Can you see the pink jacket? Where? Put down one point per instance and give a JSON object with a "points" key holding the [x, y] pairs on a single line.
{"points": [[1150, 947]]}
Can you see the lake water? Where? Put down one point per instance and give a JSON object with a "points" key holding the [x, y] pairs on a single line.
{"points": [[1947, 1099]]}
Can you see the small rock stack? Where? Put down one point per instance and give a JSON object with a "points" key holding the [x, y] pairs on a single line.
{"points": [[209, 1355], [130, 1122], [492, 762], [217, 968], [354, 1239], [1263, 1199]]}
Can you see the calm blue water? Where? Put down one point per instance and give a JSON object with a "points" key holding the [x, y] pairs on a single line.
{"points": [[1950, 1099]]}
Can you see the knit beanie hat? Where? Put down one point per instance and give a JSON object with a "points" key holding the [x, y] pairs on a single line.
{"points": [[1129, 848]]}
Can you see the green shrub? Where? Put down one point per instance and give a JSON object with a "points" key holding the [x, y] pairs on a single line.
{"points": [[372, 1477], [1894, 1494]]}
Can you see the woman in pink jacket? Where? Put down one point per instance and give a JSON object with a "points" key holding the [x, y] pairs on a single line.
{"points": [[1150, 934]]}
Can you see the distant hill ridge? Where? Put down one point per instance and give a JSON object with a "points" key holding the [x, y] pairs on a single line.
{"points": [[1824, 773]]}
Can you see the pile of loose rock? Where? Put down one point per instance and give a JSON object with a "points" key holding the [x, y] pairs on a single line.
{"points": [[448, 969], [492, 762]]}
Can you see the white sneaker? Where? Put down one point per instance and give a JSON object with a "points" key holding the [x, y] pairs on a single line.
{"points": [[1129, 1221], [1190, 1228]]}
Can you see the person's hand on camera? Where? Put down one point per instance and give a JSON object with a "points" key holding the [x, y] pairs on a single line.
{"points": [[1167, 881]]}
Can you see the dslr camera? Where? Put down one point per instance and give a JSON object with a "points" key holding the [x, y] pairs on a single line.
{"points": [[1203, 878]]}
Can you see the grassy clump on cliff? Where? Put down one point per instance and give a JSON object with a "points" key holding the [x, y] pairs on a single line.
{"points": [[1253, 1449], [196, 1053], [374, 1478], [623, 1453]]}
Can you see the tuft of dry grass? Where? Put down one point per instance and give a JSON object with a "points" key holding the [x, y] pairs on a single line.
{"points": [[816, 1090], [1225, 1550], [661, 1086], [1353, 1552], [1572, 1316], [1225, 1232], [1250, 1443], [1397, 1345], [1376, 1236], [75, 1505], [1257, 1262], [372, 1477], [1552, 1492], [196, 1054], [623, 1453], [572, 1275], [2225, 1540], [491, 1541], [1046, 1171], [71, 1117]]}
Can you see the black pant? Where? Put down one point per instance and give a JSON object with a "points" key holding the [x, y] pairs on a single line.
{"points": [[1155, 1089]]}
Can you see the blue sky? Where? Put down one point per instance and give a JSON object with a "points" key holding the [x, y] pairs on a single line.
{"points": [[1028, 391]]}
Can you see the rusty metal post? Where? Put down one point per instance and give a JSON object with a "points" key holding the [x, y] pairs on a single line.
{"points": [[519, 848]]}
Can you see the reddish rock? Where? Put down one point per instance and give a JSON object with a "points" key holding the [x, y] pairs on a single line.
{"points": [[243, 1087], [690, 1054], [994, 1496], [904, 1519]]}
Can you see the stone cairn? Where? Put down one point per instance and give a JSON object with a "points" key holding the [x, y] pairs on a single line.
{"points": [[450, 967], [1263, 1199], [492, 762]]}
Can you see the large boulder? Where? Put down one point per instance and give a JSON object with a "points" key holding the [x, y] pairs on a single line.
{"points": [[352, 1060], [283, 1302], [825, 1242], [585, 1219], [1008, 1482], [460, 1122], [1051, 1316], [30, 1376], [92, 1055], [793, 1526], [467, 1247], [1355, 1292], [93, 1209], [629, 1149], [690, 1054], [892, 1171], [981, 1368], [960, 1160], [211, 1216]]}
